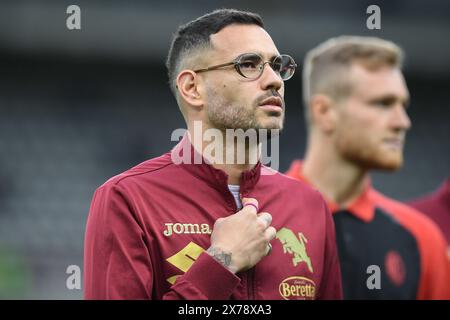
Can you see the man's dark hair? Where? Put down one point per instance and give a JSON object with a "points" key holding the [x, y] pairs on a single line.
{"points": [[196, 34]]}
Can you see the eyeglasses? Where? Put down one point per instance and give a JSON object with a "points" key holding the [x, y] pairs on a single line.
{"points": [[251, 66]]}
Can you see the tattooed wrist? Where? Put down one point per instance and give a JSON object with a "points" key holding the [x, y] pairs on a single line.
{"points": [[224, 258]]}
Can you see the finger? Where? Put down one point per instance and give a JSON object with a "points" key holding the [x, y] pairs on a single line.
{"points": [[268, 249], [266, 218], [218, 221], [251, 204], [270, 233]]}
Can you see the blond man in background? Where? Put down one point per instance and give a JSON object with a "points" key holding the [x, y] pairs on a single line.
{"points": [[356, 100]]}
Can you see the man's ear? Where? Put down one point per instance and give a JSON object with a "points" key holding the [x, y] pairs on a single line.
{"points": [[187, 85], [323, 112]]}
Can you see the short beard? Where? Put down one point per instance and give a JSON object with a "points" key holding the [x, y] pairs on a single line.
{"points": [[224, 116], [368, 159]]}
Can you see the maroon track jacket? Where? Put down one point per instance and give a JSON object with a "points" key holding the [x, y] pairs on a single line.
{"points": [[148, 229]]}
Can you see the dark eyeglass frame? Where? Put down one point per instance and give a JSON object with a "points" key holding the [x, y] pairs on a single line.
{"points": [[236, 62]]}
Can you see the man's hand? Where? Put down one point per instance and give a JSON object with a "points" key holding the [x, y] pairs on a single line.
{"points": [[242, 240]]}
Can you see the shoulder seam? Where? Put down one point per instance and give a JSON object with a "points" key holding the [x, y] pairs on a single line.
{"points": [[137, 174]]}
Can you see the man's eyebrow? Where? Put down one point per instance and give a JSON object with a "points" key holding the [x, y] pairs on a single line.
{"points": [[271, 57], [391, 98]]}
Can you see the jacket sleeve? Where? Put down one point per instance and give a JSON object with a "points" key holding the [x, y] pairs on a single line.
{"points": [[435, 264], [331, 285], [118, 263]]}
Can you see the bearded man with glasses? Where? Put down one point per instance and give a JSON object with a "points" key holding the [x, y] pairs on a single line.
{"points": [[211, 230]]}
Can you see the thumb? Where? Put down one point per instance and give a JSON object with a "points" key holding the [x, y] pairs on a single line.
{"points": [[250, 202]]}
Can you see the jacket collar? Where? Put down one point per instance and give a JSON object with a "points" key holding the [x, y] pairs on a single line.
{"points": [[362, 207], [185, 155]]}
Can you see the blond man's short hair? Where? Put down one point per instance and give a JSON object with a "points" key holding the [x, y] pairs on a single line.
{"points": [[326, 67]]}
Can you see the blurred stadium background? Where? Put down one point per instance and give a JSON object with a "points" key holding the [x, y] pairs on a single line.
{"points": [[77, 107]]}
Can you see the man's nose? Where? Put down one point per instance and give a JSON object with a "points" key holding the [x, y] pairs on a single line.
{"points": [[400, 118], [270, 78]]}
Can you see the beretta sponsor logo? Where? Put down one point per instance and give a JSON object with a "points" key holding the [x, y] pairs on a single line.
{"points": [[297, 288]]}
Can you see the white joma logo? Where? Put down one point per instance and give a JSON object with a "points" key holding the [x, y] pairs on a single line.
{"points": [[186, 228]]}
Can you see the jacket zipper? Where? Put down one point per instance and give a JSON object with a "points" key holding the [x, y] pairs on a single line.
{"points": [[251, 272], [250, 276]]}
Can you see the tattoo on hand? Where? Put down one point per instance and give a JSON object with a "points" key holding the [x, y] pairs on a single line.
{"points": [[222, 257]]}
